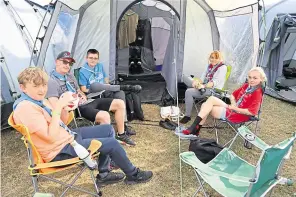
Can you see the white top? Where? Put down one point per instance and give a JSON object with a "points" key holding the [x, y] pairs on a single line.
{"points": [[218, 78]]}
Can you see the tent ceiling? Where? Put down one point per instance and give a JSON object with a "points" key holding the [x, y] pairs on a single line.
{"points": [[214, 4], [158, 9]]}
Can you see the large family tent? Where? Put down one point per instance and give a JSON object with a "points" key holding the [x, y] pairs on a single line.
{"points": [[183, 33], [279, 56]]}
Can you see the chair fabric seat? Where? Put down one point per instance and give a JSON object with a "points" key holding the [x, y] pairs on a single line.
{"points": [[227, 173]]}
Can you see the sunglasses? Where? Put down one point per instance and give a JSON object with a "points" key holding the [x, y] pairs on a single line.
{"points": [[65, 62]]}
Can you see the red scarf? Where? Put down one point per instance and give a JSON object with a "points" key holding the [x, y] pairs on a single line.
{"points": [[211, 71]]}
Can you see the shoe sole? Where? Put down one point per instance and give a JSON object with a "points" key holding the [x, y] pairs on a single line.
{"points": [[124, 143], [137, 182], [109, 182]]}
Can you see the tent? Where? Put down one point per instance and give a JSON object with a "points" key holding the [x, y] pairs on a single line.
{"points": [[183, 33], [279, 55], [192, 28]]}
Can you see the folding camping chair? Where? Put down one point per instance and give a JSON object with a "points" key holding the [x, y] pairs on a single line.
{"points": [[231, 176], [220, 93], [234, 126], [38, 168]]}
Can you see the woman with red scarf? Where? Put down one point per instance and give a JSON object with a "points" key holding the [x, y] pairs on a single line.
{"points": [[213, 78], [245, 102]]}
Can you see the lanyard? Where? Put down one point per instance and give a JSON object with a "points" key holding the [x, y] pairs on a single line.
{"points": [[247, 91], [41, 104], [63, 78]]}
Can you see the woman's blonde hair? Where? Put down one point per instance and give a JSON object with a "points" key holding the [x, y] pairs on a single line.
{"points": [[216, 55], [33, 74], [261, 71]]}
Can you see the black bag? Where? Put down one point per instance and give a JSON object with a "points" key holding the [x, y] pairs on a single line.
{"points": [[133, 106], [289, 72], [205, 149]]}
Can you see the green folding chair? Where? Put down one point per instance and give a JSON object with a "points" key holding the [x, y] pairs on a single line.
{"points": [[232, 176]]}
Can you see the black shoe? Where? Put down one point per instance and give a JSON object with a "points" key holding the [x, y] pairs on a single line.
{"points": [[111, 178], [139, 177], [185, 119], [129, 130], [171, 122], [166, 125], [126, 139], [131, 88]]}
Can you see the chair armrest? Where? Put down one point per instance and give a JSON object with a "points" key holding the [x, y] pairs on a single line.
{"points": [[245, 133], [93, 148], [95, 94]]}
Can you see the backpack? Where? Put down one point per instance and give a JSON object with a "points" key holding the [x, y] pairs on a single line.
{"points": [[205, 149], [133, 106]]}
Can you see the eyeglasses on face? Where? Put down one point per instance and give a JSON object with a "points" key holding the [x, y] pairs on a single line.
{"points": [[65, 62], [93, 58]]}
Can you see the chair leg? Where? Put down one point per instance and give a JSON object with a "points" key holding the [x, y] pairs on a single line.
{"points": [[216, 131], [73, 181], [201, 185], [35, 183], [95, 184], [75, 123]]}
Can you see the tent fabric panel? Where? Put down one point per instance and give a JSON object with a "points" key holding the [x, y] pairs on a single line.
{"points": [[74, 4], [121, 5], [29, 18], [94, 36], [198, 40], [5, 87], [255, 33], [62, 36], [214, 28], [12, 46], [48, 34], [160, 33], [145, 12], [170, 67], [237, 45], [290, 47], [235, 12], [181, 40], [227, 5]]}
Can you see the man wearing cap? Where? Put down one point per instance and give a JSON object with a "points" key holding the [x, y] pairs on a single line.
{"points": [[61, 80]]}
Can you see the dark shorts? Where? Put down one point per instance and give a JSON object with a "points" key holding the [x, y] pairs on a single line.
{"points": [[90, 110]]}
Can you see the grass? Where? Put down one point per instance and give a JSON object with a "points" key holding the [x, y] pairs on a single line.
{"points": [[157, 150]]}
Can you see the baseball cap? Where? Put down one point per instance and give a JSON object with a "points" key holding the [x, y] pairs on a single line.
{"points": [[66, 55]]}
